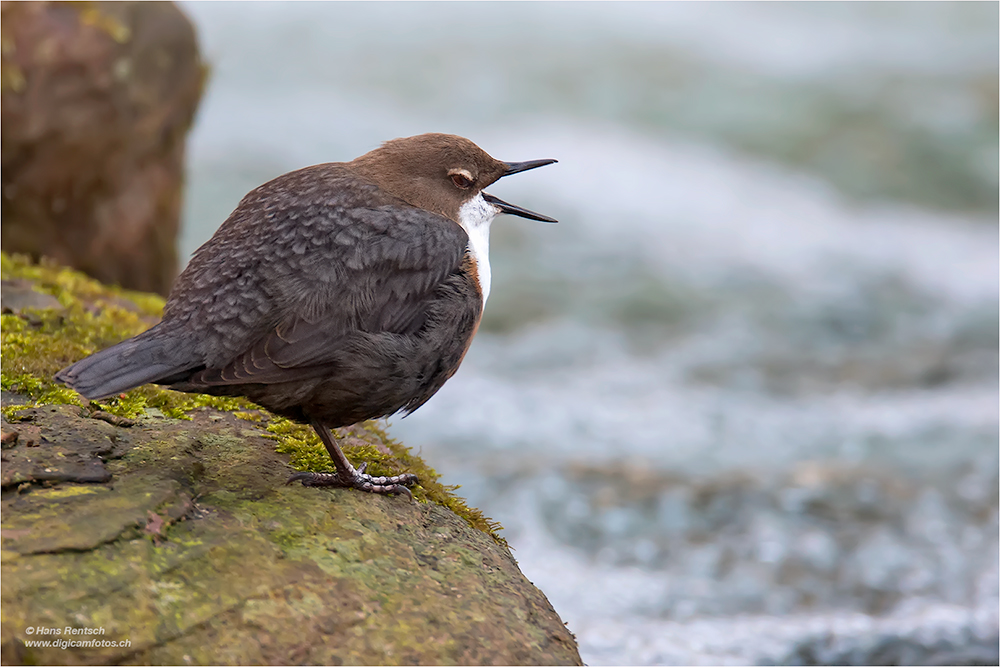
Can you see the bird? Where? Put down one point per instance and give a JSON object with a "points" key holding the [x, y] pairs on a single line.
{"points": [[333, 294]]}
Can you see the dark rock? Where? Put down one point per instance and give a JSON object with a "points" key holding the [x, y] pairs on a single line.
{"points": [[197, 552], [54, 450], [9, 438], [18, 295], [180, 534], [97, 99]]}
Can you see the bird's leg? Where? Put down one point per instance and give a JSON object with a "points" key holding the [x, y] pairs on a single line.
{"points": [[347, 476]]}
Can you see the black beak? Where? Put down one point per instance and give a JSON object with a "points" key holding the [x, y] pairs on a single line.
{"points": [[516, 210], [514, 168], [517, 167]]}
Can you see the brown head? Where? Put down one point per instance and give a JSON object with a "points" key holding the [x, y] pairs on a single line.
{"points": [[441, 173]]}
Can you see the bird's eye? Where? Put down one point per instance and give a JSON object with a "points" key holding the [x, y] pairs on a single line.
{"points": [[461, 180]]}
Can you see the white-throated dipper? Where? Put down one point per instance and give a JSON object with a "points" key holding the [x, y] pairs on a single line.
{"points": [[333, 294]]}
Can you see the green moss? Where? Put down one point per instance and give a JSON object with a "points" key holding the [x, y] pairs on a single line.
{"points": [[68, 491], [130, 405], [11, 412], [94, 316], [306, 452], [35, 345]]}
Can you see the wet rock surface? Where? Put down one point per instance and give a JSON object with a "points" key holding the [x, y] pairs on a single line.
{"points": [[54, 449], [191, 547]]}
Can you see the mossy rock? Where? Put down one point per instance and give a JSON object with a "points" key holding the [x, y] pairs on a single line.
{"points": [[165, 520], [97, 99]]}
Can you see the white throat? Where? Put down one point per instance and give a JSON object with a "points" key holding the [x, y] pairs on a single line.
{"points": [[475, 217]]}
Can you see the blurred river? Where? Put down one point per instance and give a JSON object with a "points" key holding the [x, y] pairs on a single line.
{"points": [[741, 404]]}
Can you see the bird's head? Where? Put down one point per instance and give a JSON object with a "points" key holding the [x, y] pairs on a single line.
{"points": [[443, 173]]}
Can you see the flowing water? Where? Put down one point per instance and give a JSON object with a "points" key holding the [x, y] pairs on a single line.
{"points": [[741, 404]]}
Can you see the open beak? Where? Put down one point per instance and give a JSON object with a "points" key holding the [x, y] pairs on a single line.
{"points": [[514, 168], [516, 210], [517, 167]]}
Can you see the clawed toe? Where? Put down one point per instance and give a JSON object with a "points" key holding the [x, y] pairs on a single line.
{"points": [[394, 484], [316, 479], [359, 480], [349, 477]]}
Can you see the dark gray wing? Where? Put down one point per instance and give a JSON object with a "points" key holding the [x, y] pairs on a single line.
{"points": [[304, 261]]}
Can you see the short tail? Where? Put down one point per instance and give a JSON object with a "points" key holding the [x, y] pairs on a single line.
{"points": [[136, 361]]}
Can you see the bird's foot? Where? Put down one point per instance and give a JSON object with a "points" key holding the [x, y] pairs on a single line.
{"points": [[358, 479]]}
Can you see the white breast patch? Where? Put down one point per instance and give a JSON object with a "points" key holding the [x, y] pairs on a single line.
{"points": [[475, 217]]}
